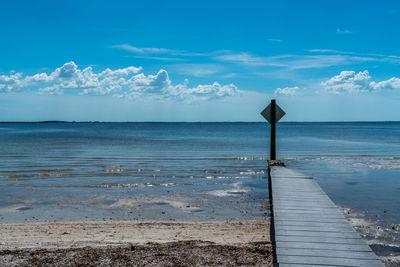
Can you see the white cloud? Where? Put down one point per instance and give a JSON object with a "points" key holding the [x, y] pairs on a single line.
{"points": [[328, 51], [161, 58], [287, 91], [392, 83], [125, 82], [160, 86], [359, 56], [119, 72], [339, 31], [11, 82], [352, 82], [204, 92], [319, 58], [144, 50], [320, 61], [158, 51], [294, 62], [274, 40], [348, 82], [70, 77], [249, 59]]}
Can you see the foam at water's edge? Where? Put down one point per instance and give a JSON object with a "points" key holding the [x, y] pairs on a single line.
{"points": [[384, 240]]}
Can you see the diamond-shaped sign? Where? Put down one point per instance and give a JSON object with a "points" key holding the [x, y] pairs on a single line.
{"points": [[279, 113]]}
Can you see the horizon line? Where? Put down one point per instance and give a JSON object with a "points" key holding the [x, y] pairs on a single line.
{"points": [[95, 121]]}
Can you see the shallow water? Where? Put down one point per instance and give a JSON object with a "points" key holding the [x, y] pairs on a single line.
{"points": [[153, 171]]}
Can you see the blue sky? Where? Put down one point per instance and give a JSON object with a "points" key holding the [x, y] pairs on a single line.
{"points": [[199, 60]]}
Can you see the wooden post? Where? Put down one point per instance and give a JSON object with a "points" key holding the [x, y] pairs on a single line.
{"points": [[273, 130], [273, 113]]}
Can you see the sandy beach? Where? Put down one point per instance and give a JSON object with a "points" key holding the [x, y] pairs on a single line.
{"points": [[121, 243]]}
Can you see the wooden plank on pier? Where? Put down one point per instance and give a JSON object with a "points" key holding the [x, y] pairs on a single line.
{"points": [[308, 229]]}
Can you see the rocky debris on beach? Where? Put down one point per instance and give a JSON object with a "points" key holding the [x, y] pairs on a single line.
{"points": [[182, 253]]}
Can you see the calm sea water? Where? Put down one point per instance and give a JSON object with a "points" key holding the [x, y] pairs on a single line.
{"points": [[190, 171], [153, 171]]}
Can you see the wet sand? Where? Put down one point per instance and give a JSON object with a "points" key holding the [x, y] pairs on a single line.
{"points": [[122, 243]]}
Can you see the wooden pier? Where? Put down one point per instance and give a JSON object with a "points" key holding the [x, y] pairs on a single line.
{"points": [[307, 227]]}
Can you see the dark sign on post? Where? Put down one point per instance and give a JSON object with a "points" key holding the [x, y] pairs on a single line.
{"points": [[273, 113]]}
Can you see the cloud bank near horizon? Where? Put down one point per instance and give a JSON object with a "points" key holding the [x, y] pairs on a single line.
{"points": [[132, 83], [352, 82], [126, 82]]}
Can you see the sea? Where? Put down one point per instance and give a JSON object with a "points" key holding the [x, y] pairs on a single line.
{"points": [[198, 171]]}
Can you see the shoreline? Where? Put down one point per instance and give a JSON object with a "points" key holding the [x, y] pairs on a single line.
{"points": [[142, 243], [100, 233]]}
